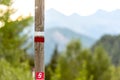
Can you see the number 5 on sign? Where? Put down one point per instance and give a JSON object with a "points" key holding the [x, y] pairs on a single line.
{"points": [[39, 75]]}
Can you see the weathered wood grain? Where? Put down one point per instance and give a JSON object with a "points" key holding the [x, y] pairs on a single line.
{"points": [[39, 26], [39, 15], [39, 57]]}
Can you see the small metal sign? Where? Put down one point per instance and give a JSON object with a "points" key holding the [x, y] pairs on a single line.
{"points": [[39, 76]]}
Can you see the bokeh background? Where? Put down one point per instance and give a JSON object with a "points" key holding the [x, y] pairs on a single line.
{"points": [[82, 40], [16, 22]]}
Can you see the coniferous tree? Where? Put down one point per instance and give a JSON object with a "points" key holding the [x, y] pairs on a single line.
{"points": [[50, 68], [82, 64], [14, 60]]}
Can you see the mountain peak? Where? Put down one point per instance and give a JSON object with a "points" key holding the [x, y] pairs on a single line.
{"points": [[53, 11], [103, 12], [100, 12], [74, 14]]}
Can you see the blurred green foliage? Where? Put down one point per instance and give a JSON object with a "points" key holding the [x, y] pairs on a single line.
{"points": [[76, 63], [15, 63], [111, 45], [51, 67]]}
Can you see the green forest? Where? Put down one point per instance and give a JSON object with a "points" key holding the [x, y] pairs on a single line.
{"points": [[112, 46], [15, 63], [76, 63]]}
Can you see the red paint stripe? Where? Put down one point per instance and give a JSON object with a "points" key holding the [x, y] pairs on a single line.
{"points": [[39, 39]]}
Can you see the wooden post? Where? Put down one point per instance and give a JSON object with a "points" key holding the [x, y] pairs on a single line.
{"points": [[39, 37]]}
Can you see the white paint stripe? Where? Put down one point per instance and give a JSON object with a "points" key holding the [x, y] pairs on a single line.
{"points": [[39, 33]]}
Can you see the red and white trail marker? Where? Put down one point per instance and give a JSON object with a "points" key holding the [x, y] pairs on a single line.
{"points": [[39, 37]]}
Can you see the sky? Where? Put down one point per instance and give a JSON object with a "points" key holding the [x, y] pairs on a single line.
{"points": [[86, 8], [82, 7], [68, 7]]}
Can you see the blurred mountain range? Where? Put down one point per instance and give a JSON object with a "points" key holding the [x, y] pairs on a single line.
{"points": [[95, 25], [61, 37], [60, 29]]}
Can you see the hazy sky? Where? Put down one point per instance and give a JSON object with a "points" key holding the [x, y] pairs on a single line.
{"points": [[68, 7], [82, 7]]}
